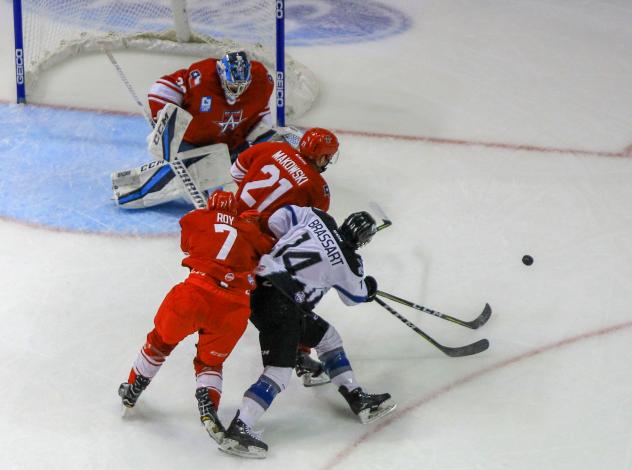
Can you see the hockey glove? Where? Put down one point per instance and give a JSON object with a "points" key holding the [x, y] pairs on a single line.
{"points": [[371, 288]]}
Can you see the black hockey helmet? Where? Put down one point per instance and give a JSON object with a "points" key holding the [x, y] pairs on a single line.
{"points": [[358, 229]]}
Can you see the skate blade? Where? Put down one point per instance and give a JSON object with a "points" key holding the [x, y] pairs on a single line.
{"points": [[368, 416], [309, 381], [217, 436], [232, 447], [126, 410]]}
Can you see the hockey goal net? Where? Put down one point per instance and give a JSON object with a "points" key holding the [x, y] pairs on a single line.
{"points": [[54, 31]]}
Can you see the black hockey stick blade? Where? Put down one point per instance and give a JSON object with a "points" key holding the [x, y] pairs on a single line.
{"points": [[481, 319], [469, 350]]}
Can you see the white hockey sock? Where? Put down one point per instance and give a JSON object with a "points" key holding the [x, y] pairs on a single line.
{"points": [[250, 411]]}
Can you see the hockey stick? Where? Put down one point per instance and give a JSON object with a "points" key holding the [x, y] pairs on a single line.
{"points": [[474, 348], [386, 221], [474, 324], [179, 169]]}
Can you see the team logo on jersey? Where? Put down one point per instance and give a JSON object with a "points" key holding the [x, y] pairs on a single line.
{"points": [[205, 104], [326, 190], [229, 277], [230, 120], [195, 78], [299, 297]]}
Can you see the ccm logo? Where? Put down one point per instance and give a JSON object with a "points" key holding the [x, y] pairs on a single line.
{"points": [[19, 66]]}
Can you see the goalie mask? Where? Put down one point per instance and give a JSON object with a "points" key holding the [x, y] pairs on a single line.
{"points": [[358, 229], [223, 201], [234, 73], [320, 146]]}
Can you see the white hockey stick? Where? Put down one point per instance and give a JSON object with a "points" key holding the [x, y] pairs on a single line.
{"points": [[169, 144], [386, 221]]}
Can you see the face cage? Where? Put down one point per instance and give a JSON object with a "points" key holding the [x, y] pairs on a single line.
{"points": [[235, 89]]}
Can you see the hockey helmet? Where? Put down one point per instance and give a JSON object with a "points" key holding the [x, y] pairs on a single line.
{"points": [[223, 201], [320, 146], [358, 229], [234, 73]]}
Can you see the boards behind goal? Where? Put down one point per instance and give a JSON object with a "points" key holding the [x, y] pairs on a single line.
{"points": [[49, 32]]}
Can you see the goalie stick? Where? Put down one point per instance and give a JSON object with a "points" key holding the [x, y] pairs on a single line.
{"points": [[468, 350], [474, 324], [196, 196]]}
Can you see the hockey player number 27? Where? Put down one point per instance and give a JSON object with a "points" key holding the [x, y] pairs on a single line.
{"points": [[275, 177], [229, 242]]}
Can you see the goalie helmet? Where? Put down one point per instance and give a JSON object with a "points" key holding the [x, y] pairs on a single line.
{"points": [[234, 73], [223, 201], [358, 229], [320, 146]]}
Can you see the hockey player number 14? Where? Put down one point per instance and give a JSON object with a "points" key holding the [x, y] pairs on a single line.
{"points": [[275, 177]]}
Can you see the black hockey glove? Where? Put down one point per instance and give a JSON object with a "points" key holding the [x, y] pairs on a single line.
{"points": [[371, 288]]}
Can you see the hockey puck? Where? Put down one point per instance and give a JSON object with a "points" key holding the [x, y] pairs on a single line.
{"points": [[528, 260]]}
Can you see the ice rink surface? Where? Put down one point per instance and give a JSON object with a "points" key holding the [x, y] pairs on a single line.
{"points": [[486, 129]]}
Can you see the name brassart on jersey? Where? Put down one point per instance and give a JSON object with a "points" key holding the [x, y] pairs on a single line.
{"points": [[286, 162], [328, 243]]}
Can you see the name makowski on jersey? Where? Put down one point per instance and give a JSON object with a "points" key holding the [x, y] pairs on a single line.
{"points": [[311, 257]]}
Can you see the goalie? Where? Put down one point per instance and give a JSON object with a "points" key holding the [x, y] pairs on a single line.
{"points": [[228, 103]]}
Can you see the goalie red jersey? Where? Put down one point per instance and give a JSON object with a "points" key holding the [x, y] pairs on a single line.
{"points": [[216, 119], [271, 175]]}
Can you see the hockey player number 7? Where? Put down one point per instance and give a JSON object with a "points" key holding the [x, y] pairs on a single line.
{"points": [[229, 242], [275, 177]]}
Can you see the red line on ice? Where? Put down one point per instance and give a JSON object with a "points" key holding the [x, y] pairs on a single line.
{"points": [[403, 412]]}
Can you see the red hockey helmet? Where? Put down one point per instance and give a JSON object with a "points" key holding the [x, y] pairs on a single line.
{"points": [[319, 145], [222, 201]]}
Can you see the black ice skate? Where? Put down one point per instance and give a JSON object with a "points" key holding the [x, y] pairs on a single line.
{"points": [[366, 406], [240, 440], [129, 393], [310, 370], [208, 416]]}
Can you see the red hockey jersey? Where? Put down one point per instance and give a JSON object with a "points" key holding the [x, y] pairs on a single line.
{"points": [[223, 247], [271, 175], [199, 91]]}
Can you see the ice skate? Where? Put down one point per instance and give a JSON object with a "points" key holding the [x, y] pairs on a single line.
{"points": [[240, 440], [366, 406], [208, 416], [310, 370], [129, 393]]}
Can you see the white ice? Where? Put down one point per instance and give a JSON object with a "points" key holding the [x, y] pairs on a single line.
{"points": [[473, 80]]}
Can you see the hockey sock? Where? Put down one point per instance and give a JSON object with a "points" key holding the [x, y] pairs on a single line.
{"points": [[260, 395], [333, 356], [209, 377], [151, 357]]}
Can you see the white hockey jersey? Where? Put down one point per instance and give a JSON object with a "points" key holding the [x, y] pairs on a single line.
{"points": [[311, 257]]}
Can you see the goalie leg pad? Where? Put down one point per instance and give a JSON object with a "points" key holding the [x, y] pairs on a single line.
{"points": [[155, 182]]}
